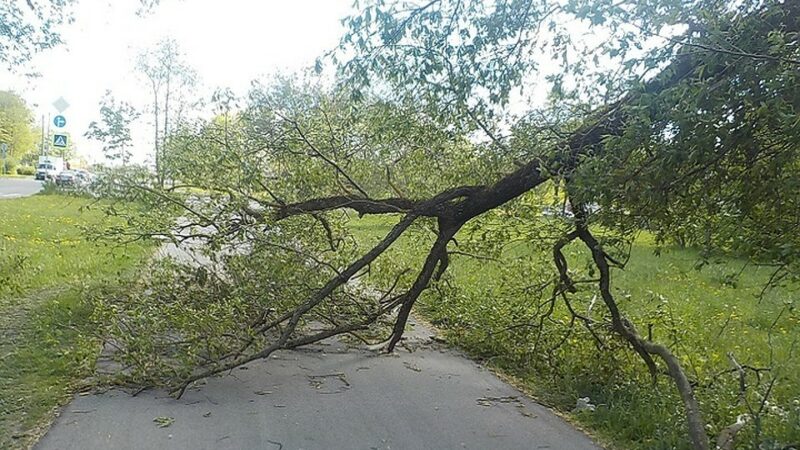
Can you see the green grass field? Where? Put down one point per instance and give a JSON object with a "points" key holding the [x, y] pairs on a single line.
{"points": [[487, 309], [46, 264]]}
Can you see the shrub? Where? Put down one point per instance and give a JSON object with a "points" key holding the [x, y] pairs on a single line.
{"points": [[8, 166], [49, 188], [26, 170]]}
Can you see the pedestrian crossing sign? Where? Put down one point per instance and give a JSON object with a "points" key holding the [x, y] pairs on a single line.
{"points": [[59, 140]]}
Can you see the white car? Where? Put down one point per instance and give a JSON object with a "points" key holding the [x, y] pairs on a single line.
{"points": [[49, 167]]}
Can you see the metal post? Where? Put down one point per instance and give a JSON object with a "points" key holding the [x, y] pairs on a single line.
{"points": [[42, 149], [48, 134]]}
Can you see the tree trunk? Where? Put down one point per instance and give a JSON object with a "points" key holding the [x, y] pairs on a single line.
{"points": [[155, 137], [165, 130]]}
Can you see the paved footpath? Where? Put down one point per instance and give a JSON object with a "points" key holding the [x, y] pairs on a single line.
{"points": [[18, 187], [326, 396]]}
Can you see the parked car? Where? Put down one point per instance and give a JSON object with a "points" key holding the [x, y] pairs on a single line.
{"points": [[75, 178], [66, 178], [85, 176]]}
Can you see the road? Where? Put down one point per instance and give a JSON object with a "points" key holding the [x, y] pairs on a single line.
{"points": [[18, 187], [328, 396]]}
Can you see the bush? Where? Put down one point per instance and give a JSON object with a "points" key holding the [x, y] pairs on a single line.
{"points": [[26, 170], [9, 166], [49, 188]]}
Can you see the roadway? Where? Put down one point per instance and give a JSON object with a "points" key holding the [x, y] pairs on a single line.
{"points": [[326, 396], [18, 187]]}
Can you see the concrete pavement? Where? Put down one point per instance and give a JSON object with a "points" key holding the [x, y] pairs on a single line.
{"points": [[327, 396], [18, 187]]}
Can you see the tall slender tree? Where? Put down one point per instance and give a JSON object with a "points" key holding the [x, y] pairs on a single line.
{"points": [[114, 128], [170, 80]]}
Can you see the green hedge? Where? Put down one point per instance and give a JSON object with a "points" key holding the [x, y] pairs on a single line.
{"points": [[26, 170], [9, 166]]}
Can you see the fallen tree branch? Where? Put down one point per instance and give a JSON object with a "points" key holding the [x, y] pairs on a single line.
{"points": [[645, 348], [295, 315]]}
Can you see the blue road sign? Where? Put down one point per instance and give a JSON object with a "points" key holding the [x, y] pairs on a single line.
{"points": [[59, 121], [59, 140]]}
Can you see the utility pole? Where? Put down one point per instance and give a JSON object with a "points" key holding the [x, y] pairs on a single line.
{"points": [[48, 134], [43, 153]]}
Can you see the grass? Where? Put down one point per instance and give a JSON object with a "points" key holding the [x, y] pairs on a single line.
{"points": [[46, 265], [703, 315]]}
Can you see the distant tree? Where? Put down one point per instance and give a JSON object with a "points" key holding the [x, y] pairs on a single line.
{"points": [[170, 80], [16, 126], [114, 128]]}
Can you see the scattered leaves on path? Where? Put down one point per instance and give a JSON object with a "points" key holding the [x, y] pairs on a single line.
{"points": [[163, 421]]}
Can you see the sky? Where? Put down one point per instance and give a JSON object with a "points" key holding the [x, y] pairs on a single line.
{"points": [[229, 43]]}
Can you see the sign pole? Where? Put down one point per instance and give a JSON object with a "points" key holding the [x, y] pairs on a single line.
{"points": [[42, 152], [59, 140], [48, 133]]}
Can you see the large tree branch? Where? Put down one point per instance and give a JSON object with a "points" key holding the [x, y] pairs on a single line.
{"points": [[436, 206], [436, 256], [360, 204]]}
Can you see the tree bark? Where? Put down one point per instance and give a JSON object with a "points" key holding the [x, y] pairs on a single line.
{"points": [[165, 130], [155, 132]]}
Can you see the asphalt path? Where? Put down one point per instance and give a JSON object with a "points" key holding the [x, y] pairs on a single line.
{"points": [[327, 396], [18, 187]]}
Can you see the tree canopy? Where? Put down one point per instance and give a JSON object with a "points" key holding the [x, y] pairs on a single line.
{"points": [[16, 127], [30, 26], [169, 80]]}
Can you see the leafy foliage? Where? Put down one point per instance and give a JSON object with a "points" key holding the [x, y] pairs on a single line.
{"points": [[114, 130], [16, 128], [29, 27], [495, 303]]}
